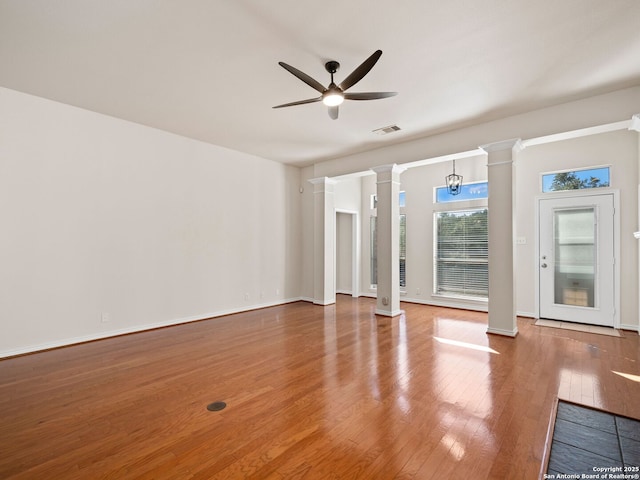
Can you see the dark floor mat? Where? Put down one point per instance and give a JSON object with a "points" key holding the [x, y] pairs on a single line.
{"points": [[591, 443]]}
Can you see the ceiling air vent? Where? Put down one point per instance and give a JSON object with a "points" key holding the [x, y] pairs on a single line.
{"points": [[386, 130]]}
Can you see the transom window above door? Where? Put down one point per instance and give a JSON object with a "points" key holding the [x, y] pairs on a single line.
{"points": [[596, 177]]}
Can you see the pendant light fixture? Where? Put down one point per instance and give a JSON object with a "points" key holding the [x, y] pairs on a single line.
{"points": [[454, 182]]}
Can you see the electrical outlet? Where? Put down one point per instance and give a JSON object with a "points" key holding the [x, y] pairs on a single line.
{"points": [[105, 317], [246, 296], [417, 291]]}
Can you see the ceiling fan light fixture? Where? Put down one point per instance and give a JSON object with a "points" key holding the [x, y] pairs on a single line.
{"points": [[332, 98]]}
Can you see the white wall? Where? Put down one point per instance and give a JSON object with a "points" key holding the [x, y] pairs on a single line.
{"points": [[100, 216], [347, 194]]}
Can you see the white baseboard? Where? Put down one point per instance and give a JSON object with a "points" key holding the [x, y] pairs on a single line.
{"points": [[633, 328], [481, 307], [368, 295], [65, 342]]}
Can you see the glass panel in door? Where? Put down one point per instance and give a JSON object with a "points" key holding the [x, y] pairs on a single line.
{"points": [[575, 257]]}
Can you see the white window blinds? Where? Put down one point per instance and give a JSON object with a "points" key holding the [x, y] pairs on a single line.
{"points": [[461, 253]]}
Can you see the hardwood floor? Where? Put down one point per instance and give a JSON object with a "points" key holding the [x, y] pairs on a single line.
{"points": [[312, 393]]}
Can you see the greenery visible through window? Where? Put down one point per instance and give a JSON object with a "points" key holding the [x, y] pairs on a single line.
{"points": [[403, 251], [575, 180], [461, 253]]}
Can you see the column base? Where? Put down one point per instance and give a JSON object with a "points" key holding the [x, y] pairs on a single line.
{"points": [[324, 303], [389, 313], [504, 333]]}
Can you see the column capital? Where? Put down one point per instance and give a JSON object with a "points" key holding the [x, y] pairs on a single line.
{"points": [[388, 173], [502, 145], [322, 184], [392, 168], [635, 123], [322, 180]]}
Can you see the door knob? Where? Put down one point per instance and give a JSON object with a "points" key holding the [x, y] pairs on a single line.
{"points": [[544, 265]]}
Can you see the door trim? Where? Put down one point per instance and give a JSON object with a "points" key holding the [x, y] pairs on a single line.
{"points": [[589, 192]]}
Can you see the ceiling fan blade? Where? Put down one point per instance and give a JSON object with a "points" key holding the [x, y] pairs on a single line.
{"points": [[369, 95], [333, 112], [361, 71], [299, 102], [304, 77]]}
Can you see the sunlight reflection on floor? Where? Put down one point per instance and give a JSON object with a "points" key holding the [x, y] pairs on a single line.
{"points": [[466, 345], [628, 376]]}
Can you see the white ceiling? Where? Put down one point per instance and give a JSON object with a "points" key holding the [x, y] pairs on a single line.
{"points": [[208, 69]]}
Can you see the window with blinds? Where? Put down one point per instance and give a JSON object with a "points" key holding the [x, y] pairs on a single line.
{"points": [[461, 253], [403, 252]]}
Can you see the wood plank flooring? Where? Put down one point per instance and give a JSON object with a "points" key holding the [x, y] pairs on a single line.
{"points": [[312, 393]]}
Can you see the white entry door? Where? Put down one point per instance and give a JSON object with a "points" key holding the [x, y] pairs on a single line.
{"points": [[576, 264]]}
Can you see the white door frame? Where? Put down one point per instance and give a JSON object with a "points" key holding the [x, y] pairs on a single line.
{"points": [[355, 251], [616, 242]]}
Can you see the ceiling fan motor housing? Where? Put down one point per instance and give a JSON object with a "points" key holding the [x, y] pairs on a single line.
{"points": [[332, 66]]}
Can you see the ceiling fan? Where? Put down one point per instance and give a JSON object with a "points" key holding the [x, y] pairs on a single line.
{"points": [[333, 95]]}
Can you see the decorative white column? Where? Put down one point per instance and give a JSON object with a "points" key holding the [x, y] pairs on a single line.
{"points": [[501, 223], [324, 234], [388, 239]]}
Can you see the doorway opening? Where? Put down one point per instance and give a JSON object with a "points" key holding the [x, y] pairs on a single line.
{"points": [[347, 253]]}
